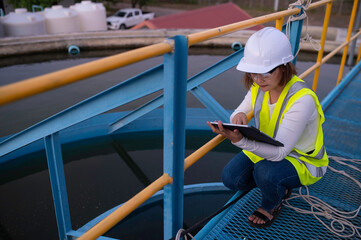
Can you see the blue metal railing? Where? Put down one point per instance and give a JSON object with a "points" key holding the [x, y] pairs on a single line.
{"points": [[171, 76]]}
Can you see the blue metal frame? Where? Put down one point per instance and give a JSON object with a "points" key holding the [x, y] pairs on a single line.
{"points": [[194, 82], [211, 104], [134, 88], [139, 86], [58, 184], [175, 89], [295, 34], [296, 29], [170, 76], [125, 92]]}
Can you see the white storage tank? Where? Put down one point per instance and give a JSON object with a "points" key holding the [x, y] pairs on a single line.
{"points": [[61, 20], [92, 16], [23, 23]]}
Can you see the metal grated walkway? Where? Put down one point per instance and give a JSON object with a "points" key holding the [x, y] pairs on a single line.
{"points": [[342, 109], [343, 138]]}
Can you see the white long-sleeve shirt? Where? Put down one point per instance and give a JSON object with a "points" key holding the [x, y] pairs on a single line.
{"points": [[298, 129]]}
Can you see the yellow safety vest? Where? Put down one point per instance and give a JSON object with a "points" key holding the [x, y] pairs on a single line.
{"points": [[310, 166]]}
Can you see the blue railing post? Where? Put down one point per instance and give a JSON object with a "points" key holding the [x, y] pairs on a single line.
{"points": [[58, 185], [175, 86], [295, 36]]}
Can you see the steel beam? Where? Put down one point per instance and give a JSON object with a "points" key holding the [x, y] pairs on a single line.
{"points": [[132, 89], [194, 82], [175, 89], [212, 105], [58, 185]]}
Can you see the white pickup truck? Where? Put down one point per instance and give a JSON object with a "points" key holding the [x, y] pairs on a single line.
{"points": [[127, 17]]}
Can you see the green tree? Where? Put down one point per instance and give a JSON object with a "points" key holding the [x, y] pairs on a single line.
{"points": [[29, 3]]}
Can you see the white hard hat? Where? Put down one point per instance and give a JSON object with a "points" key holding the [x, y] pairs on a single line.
{"points": [[265, 50]]}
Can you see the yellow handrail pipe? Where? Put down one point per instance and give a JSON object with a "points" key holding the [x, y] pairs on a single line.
{"points": [[350, 26], [36, 85], [319, 4], [124, 210], [194, 157], [328, 56], [322, 43], [216, 32], [33, 86], [340, 47]]}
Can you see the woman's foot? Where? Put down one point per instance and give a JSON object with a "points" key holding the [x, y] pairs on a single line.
{"points": [[262, 219], [257, 220]]}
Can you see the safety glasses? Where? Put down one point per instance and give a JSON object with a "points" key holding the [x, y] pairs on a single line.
{"points": [[266, 75]]}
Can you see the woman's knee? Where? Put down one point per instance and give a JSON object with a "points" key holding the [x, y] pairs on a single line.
{"points": [[228, 177], [263, 172], [238, 172], [267, 172]]}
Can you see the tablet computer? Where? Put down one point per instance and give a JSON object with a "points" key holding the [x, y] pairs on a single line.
{"points": [[251, 132]]}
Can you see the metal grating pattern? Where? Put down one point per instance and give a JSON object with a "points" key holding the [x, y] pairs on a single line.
{"points": [[334, 189], [352, 91], [342, 137], [342, 128], [346, 109]]}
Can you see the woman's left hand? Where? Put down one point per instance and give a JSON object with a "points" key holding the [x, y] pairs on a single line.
{"points": [[234, 136]]}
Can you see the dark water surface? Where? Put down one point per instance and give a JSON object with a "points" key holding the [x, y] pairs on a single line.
{"points": [[98, 183]]}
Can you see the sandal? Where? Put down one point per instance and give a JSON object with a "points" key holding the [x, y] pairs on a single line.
{"points": [[267, 222], [287, 194]]}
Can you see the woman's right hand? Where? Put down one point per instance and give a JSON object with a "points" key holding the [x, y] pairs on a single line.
{"points": [[240, 118], [234, 136]]}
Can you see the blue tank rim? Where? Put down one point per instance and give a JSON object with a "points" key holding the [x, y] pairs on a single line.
{"points": [[189, 190]]}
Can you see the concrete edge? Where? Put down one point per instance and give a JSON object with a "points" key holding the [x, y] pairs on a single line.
{"points": [[130, 39]]}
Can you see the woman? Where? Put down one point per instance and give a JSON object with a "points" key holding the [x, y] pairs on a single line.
{"points": [[285, 109]]}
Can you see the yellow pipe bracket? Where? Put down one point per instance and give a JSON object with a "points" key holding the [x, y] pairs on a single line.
{"points": [[279, 23]]}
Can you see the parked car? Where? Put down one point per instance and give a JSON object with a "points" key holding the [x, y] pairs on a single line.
{"points": [[128, 17]]}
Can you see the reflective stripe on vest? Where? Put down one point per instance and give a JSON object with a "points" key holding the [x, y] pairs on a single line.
{"points": [[310, 167], [316, 172]]}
